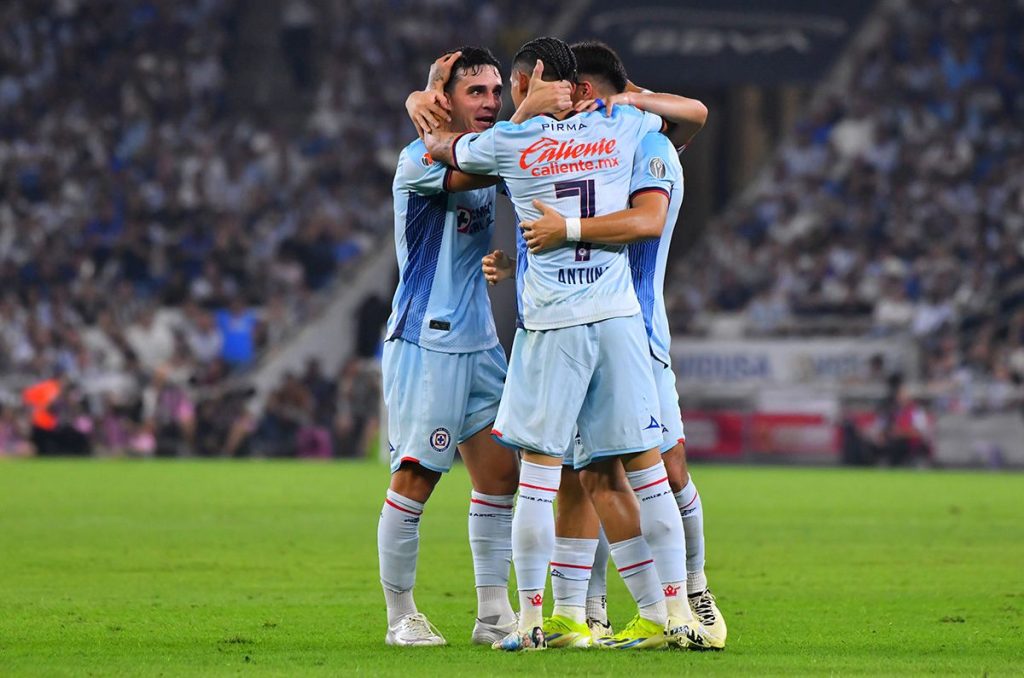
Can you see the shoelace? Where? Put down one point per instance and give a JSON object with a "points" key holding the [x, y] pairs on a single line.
{"points": [[419, 624], [704, 608]]}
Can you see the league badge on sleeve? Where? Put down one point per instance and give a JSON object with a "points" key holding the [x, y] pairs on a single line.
{"points": [[656, 168]]}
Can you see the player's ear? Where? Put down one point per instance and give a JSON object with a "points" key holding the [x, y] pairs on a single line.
{"points": [[583, 90], [521, 81]]}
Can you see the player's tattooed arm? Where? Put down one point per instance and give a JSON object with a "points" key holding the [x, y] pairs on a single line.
{"points": [[644, 219], [544, 96], [497, 266], [430, 108], [439, 145]]}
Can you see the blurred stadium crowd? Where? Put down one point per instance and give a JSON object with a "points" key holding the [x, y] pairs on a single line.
{"points": [[156, 236], [895, 208]]}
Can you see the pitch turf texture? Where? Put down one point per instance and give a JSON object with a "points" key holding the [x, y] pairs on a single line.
{"points": [[168, 568]]}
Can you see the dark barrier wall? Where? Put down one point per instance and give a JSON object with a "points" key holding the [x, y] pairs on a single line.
{"points": [[725, 42]]}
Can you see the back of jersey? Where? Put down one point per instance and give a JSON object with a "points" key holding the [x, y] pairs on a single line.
{"points": [[581, 166], [655, 168]]}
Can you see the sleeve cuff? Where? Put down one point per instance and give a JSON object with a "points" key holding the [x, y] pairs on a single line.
{"points": [[649, 189], [455, 159]]}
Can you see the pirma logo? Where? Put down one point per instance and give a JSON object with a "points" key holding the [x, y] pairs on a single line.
{"points": [[440, 439], [537, 600]]}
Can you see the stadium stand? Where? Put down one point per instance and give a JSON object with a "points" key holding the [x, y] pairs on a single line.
{"points": [[894, 209], [157, 234]]}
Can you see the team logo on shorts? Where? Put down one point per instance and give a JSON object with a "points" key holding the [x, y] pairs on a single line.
{"points": [[657, 168], [440, 439]]}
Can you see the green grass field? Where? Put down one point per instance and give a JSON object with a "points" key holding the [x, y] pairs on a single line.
{"points": [[164, 568]]}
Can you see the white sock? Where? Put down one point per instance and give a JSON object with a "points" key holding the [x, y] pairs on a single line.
{"points": [[533, 538], [597, 588], [400, 604], [634, 561], [492, 606], [398, 542], [570, 574], [597, 608], [660, 522], [490, 540], [692, 513]]}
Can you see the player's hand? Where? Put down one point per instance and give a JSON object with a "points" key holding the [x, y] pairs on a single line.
{"points": [[546, 232], [428, 110], [609, 104], [497, 267], [441, 71], [544, 97]]}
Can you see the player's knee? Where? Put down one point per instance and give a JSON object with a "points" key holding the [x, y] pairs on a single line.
{"points": [[414, 481]]}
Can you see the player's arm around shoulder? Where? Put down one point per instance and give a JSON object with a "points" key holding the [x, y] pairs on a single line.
{"points": [[467, 152], [644, 219], [689, 115], [420, 173]]}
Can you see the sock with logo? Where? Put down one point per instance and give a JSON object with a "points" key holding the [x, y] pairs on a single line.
{"points": [[692, 513], [398, 542], [597, 588], [570, 572], [490, 540], [635, 563], [533, 538], [663, 529]]}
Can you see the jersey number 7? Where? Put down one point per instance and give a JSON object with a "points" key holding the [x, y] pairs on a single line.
{"points": [[584, 189]]}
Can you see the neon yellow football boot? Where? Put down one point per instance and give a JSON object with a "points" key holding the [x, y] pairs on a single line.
{"points": [[639, 634], [564, 632]]}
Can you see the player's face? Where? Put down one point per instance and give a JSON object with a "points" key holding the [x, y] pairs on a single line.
{"points": [[476, 100]]}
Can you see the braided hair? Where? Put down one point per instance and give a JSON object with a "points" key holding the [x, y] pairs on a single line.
{"points": [[559, 62]]}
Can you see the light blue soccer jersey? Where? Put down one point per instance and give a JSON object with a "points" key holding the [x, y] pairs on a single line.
{"points": [[441, 302], [579, 166], [655, 168]]}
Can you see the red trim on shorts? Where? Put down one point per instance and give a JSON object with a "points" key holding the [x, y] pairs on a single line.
{"points": [[630, 567], [487, 503], [538, 487], [496, 432], [394, 505], [644, 487], [578, 567]]}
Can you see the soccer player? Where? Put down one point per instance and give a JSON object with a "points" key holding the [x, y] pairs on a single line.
{"points": [[657, 178], [443, 368], [582, 353]]}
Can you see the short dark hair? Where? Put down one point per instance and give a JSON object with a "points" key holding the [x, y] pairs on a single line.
{"points": [[559, 62], [472, 60], [593, 57]]}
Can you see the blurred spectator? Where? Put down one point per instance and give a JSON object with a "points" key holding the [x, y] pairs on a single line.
{"points": [[359, 399], [896, 209]]}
